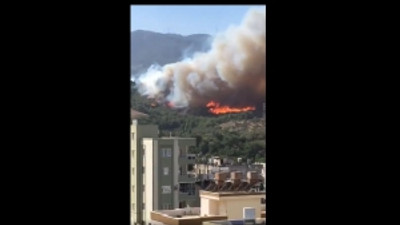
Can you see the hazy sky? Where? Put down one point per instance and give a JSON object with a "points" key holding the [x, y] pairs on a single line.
{"points": [[189, 19]]}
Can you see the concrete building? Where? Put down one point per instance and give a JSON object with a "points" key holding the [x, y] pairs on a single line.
{"points": [[168, 176], [230, 204], [257, 221], [229, 196], [188, 216], [138, 132], [249, 218], [208, 171], [224, 202]]}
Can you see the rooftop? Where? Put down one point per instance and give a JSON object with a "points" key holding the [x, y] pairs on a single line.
{"points": [[136, 114], [236, 185], [258, 221], [188, 216], [230, 193]]}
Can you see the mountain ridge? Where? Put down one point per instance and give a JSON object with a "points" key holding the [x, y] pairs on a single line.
{"points": [[149, 48]]}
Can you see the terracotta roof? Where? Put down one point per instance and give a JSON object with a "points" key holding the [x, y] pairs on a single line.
{"points": [[228, 186]]}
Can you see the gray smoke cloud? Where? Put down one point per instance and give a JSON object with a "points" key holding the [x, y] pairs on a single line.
{"points": [[232, 72]]}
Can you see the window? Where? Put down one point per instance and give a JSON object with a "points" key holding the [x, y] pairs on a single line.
{"points": [[133, 170], [166, 152], [182, 204], [133, 206], [190, 167], [133, 136], [133, 188], [133, 154], [263, 201], [166, 171], [166, 189], [261, 187], [187, 188]]}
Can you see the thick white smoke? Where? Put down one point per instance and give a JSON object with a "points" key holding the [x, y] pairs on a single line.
{"points": [[232, 72]]}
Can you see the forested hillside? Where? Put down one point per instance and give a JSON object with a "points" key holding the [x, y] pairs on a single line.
{"points": [[229, 135]]}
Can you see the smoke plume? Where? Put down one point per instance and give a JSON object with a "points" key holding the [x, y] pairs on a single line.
{"points": [[232, 72]]}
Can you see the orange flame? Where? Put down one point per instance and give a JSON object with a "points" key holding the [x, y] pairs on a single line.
{"points": [[170, 105], [216, 108]]}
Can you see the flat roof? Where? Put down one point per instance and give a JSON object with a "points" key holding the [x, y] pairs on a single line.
{"points": [[230, 193], [136, 114]]}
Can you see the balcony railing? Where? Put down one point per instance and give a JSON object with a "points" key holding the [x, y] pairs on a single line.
{"points": [[191, 192]]}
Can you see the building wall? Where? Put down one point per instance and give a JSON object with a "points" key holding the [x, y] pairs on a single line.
{"points": [[175, 183], [165, 199], [137, 134], [157, 184], [235, 207], [222, 207], [182, 150], [208, 207], [150, 168], [133, 157], [161, 218], [231, 206]]}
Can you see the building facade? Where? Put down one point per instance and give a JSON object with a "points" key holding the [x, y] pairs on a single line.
{"points": [[208, 171], [138, 132], [230, 204], [168, 178]]}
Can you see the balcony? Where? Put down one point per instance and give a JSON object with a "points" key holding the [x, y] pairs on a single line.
{"points": [[190, 177], [187, 190], [188, 194]]}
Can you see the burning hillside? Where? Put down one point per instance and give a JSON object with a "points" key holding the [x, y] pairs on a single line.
{"points": [[216, 108], [232, 73]]}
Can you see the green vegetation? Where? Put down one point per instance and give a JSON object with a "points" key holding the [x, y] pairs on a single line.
{"points": [[231, 135]]}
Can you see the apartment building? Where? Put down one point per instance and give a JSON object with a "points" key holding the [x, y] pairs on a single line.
{"points": [[168, 174], [138, 132]]}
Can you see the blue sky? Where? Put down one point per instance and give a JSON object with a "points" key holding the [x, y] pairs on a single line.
{"points": [[189, 19]]}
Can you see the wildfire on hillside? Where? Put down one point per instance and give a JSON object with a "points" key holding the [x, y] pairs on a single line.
{"points": [[216, 108], [170, 104]]}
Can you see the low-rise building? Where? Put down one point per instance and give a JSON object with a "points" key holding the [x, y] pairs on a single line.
{"points": [[223, 200], [229, 196], [207, 171]]}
